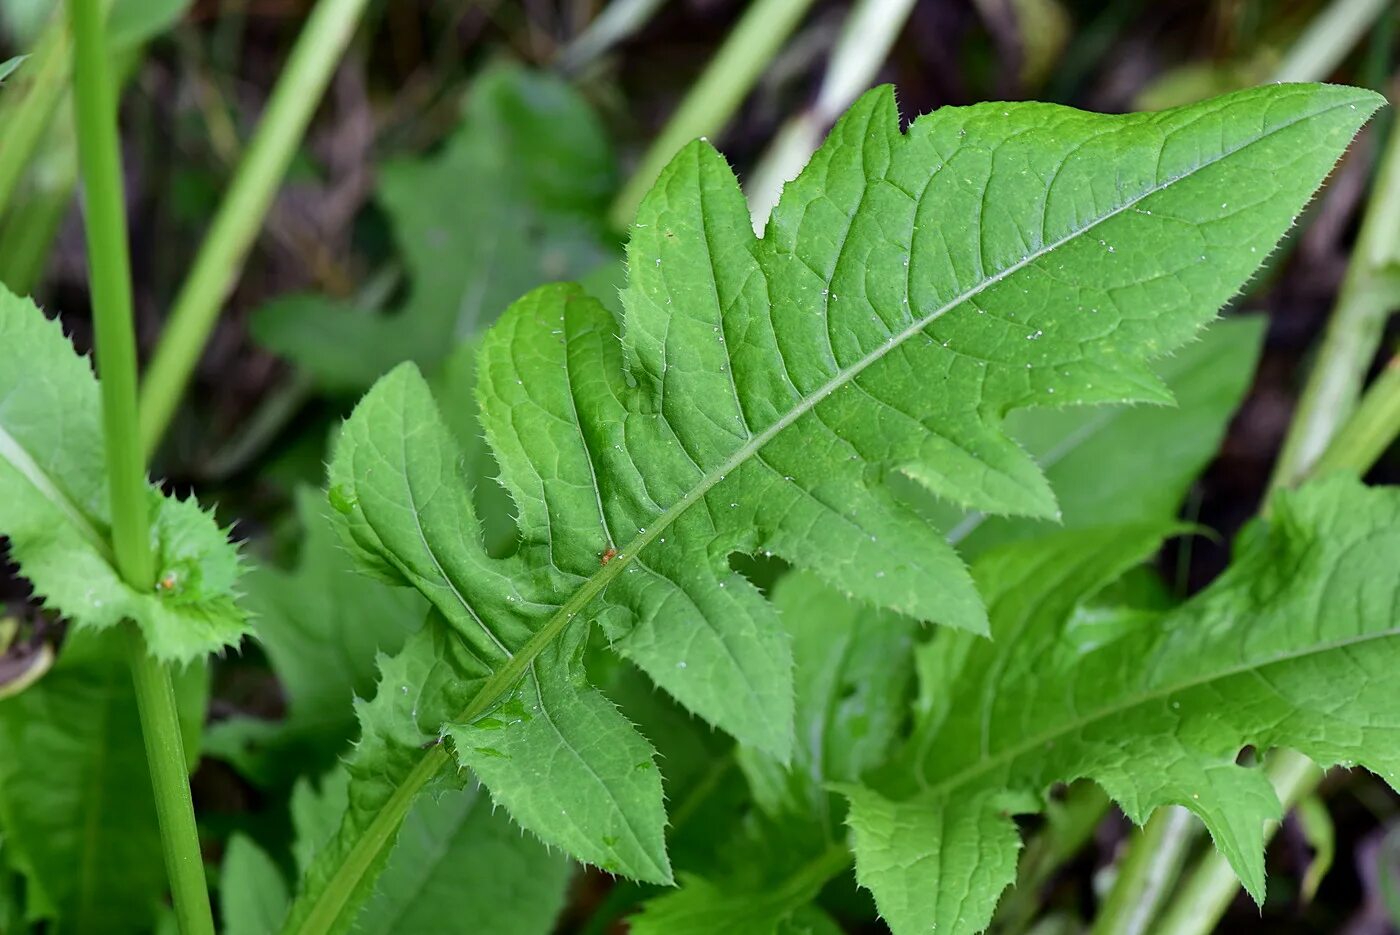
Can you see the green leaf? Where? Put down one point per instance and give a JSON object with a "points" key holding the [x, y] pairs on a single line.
{"points": [[9, 65], [252, 893], [461, 866], [1123, 464], [1318, 831], [322, 627], [513, 200], [54, 507], [133, 22], [854, 666], [755, 397], [76, 808], [1156, 713]]}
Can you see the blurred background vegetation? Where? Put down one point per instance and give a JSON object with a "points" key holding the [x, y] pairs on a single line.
{"points": [[466, 150]]}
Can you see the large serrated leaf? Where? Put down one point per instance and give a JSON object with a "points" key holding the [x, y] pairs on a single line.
{"points": [[1155, 712], [54, 507], [910, 290]]}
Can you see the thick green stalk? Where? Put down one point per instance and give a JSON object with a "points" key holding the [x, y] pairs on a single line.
{"points": [[713, 99], [216, 267], [109, 265], [1144, 879], [1368, 294]]}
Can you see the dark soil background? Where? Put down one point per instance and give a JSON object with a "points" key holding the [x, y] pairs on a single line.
{"points": [[196, 95]]}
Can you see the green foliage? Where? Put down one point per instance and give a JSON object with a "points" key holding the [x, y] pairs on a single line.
{"points": [[514, 199], [461, 866], [1122, 464], [252, 894], [10, 65], [54, 505], [755, 397], [75, 794], [1154, 710], [322, 627]]}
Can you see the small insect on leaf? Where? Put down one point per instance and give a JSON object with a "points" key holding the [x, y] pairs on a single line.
{"points": [[607, 556]]}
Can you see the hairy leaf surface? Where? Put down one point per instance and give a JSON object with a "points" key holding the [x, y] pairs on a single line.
{"points": [[513, 200], [54, 506], [1293, 646], [910, 289]]}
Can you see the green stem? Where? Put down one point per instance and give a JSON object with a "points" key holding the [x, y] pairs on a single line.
{"points": [[170, 780], [1371, 428], [620, 19], [1328, 39], [1211, 887], [1368, 294], [99, 156], [1144, 877], [1069, 825], [318, 50], [865, 41], [713, 98]]}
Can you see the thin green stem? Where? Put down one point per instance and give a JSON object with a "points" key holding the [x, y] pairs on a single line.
{"points": [[1328, 39], [216, 267], [99, 156], [865, 41], [1211, 886], [1370, 430], [1144, 878], [713, 98], [1368, 294], [620, 19], [1069, 825], [170, 780]]}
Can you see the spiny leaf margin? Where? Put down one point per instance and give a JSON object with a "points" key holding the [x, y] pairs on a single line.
{"points": [[54, 505]]}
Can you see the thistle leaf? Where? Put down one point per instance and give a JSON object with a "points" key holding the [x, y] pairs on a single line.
{"points": [[756, 396], [54, 506], [1155, 712]]}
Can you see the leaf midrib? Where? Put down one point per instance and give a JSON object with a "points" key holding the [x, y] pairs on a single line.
{"points": [[380, 831], [1010, 754], [508, 674], [14, 453]]}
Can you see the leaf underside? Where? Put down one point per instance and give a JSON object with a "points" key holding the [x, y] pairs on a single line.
{"points": [[757, 396]]}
